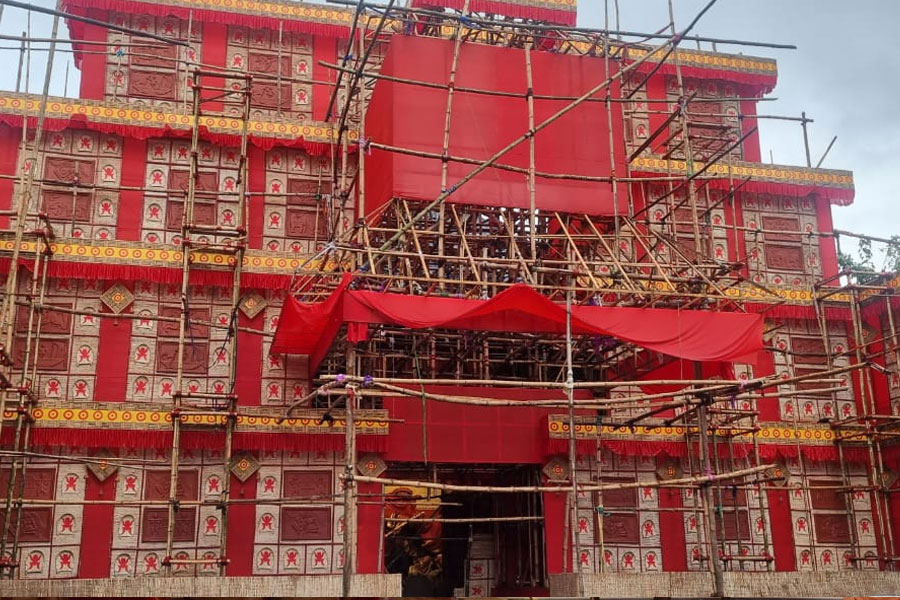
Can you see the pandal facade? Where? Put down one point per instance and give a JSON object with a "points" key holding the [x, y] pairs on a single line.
{"points": [[283, 310]]}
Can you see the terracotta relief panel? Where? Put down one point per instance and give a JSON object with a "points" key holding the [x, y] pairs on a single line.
{"points": [[66, 206], [784, 258], [40, 484], [170, 329], [204, 214], [53, 355], [155, 524], [266, 95], [786, 224], [151, 84], [621, 528], [206, 181], [196, 357], [155, 56], [307, 484], [52, 322], [832, 529], [303, 524], [306, 224], [157, 485], [67, 170], [736, 525], [306, 191], [626, 498], [809, 351], [268, 63], [37, 524], [824, 496]]}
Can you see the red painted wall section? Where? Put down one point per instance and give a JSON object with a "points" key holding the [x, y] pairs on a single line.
{"points": [[827, 245], [671, 531], [249, 348], [256, 178], [241, 527], [324, 49], [93, 63], [557, 548], [113, 354], [213, 53], [369, 533], [97, 528], [131, 202], [656, 90], [752, 152], [9, 154], [782, 527]]}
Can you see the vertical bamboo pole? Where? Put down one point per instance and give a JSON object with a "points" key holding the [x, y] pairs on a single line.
{"points": [[804, 122], [532, 183], [716, 564], [361, 156], [350, 515], [570, 396]]}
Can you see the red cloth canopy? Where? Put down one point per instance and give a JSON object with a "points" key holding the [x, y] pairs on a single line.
{"points": [[309, 329], [413, 117]]}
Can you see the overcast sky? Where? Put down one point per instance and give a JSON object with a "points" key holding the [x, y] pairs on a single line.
{"points": [[845, 74]]}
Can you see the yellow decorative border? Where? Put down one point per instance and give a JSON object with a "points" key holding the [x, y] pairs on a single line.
{"points": [[101, 416], [758, 171], [124, 114], [558, 428], [712, 60]]}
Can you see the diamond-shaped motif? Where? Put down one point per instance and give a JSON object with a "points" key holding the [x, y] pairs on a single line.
{"points": [[252, 304], [778, 475], [117, 298], [102, 469], [556, 470], [668, 470], [371, 465], [244, 465]]}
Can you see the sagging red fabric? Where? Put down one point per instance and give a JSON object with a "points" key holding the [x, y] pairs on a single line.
{"points": [[413, 117], [309, 329]]}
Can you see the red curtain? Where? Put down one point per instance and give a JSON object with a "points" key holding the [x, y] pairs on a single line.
{"points": [[413, 117], [309, 329]]}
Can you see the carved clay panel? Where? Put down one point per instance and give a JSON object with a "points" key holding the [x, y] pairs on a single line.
{"points": [[206, 181], [170, 329], [52, 355], [832, 529], [156, 486], [196, 357], [152, 84], [66, 206], [67, 170], [304, 524], [52, 321], [736, 525], [626, 498], [40, 484], [154, 56], [266, 95], [204, 214], [827, 498], [621, 528], [306, 190], [787, 224], [155, 524], [268, 64], [307, 484], [809, 385], [305, 224], [809, 351], [784, 258], [37, 524]]}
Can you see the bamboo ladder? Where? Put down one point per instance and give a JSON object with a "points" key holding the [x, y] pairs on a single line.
{"points": [[185, 404]]}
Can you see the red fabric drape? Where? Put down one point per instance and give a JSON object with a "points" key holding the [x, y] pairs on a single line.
{"points": [[782, 527], [113, 354], [671, 531], [308, 329], [558, 556], [241, 530], [9, 155], [97, 528], [414, 117], [369, 534], [131, 202], [511, 8]]}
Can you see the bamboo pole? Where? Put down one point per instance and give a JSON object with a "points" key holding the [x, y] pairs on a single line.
{"points": [[564, 486], [532, 167]]}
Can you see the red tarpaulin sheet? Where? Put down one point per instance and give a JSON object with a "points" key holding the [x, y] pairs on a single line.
{"points": [[413, 117], [703, 336]]}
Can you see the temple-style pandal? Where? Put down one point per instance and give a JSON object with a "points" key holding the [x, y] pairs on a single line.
{"points": [[453, 298]]}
